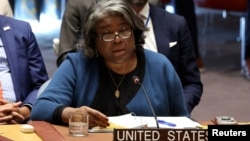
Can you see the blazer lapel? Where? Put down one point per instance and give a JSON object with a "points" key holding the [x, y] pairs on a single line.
{"points": [[161, 37], [7, 35]]}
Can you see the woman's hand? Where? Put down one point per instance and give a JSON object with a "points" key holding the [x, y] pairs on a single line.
{"points": [[96, 118]]}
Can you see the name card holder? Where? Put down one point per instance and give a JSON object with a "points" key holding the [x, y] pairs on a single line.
{"points": [[161, 134]]}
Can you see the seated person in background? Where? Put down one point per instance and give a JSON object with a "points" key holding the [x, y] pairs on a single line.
{"points": [[22, 70], [169, 34], [5, 8], [98, 78]]}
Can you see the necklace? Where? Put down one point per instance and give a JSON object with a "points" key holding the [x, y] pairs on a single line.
{"points": [[117, 92]]}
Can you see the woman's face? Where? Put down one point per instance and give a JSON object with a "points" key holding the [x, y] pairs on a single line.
{"points": [[122, 46]]}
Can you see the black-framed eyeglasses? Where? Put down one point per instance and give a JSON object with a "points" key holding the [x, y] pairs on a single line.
{"points": [[108, 37]]}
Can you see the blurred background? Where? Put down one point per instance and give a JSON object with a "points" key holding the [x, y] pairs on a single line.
{"points": [[220, 34], [43, 15]]}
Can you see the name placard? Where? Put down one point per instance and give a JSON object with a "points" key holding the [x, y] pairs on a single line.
{"points": [[160, 135], [214, 132]]}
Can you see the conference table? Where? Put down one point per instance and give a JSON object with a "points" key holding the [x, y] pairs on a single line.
{"points": [[48, 132]]}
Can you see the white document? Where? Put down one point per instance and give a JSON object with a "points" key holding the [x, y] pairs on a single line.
{"points": [[129, 121]]}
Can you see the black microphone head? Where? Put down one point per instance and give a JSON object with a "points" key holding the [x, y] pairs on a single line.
{"points": [[136, 79]]}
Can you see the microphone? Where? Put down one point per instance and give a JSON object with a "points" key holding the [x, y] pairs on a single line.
{"points": [[136, 80]]}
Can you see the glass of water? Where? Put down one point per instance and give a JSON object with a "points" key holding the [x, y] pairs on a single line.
{"points": [[78, 124]]}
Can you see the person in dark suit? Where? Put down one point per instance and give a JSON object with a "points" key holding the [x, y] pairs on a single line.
{"points": [[186, 8], [22, 70], [71, 27], [169, 34]]}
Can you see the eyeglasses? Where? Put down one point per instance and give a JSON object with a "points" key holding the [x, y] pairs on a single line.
{"points": [[108, 37]]}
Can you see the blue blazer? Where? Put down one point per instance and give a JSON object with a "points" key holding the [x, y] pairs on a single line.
{"points": [[75, 83], [168, 28], [25, 60]]}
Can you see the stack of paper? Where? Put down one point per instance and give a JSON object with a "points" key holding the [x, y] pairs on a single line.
{"points": [[129, 121]]}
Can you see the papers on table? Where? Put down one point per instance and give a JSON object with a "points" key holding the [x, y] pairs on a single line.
{"points": [[179, 122], [129, 121]]}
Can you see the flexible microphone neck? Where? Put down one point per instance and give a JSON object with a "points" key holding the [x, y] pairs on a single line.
{"points": [[136, 80]]}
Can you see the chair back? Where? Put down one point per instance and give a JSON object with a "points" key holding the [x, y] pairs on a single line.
{"points": [[42, 88]]}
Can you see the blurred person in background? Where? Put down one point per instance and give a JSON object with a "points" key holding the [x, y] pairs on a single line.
{"points": [[186, 8], [71, 27]]}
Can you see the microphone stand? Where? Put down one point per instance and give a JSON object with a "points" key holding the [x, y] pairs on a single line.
{"points": [[150, 105]]}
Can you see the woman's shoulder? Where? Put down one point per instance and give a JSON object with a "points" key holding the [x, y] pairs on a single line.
{"points": [[78, 55], [78, 58]]}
